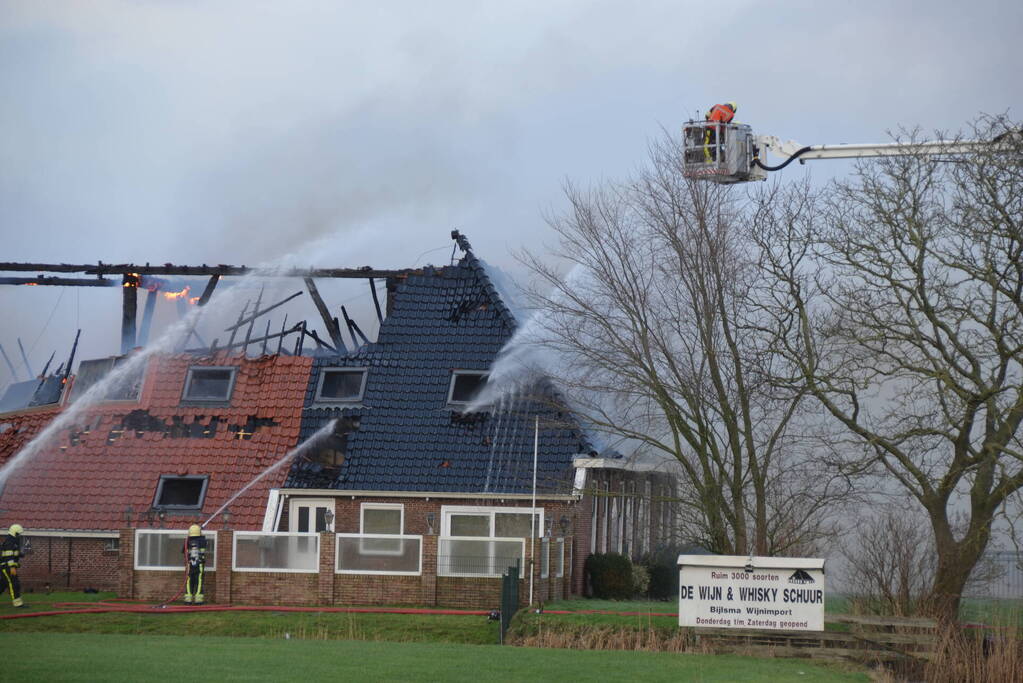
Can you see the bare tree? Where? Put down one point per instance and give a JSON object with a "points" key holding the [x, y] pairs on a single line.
{"points": [[898, 300], [890, 564], [658, 342]]}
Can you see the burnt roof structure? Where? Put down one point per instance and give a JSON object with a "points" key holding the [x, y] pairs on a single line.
{"points": [[405, 434], [399, 430]]}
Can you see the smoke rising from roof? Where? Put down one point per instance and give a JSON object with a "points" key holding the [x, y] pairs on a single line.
{"points": [[231, 131]]}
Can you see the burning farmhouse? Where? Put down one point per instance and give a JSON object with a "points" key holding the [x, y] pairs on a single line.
{"points": [[409, 492]]}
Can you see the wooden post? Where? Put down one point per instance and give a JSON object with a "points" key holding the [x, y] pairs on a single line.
{"points": [[129, 312], [376, 301], [147, 316], [208, 292], [332, 328]]}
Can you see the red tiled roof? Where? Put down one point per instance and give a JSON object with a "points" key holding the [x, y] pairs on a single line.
{"points": [[89, 482]]}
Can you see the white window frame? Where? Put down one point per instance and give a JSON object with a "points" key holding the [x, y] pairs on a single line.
{"points": [[186, 399], [381, 506], [318, 398], [560, 555], [447, 510], [211, 559], [362, 537], [462, 373], [296, 502], [242, 534], [362, 528]]}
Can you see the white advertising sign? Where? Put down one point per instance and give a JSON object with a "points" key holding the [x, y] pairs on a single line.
{"points": [[780, 593]]}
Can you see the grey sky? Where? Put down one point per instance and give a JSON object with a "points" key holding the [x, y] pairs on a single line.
{"points": [[233, 132]]}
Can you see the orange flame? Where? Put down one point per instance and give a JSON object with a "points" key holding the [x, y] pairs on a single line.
{"points": [[171, 296], [194, 300], [132, 280]]}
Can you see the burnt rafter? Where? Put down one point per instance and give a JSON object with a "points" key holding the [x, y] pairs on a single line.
{"points": [[218, 270], [52, 280], [244, 432], [140, 422]]}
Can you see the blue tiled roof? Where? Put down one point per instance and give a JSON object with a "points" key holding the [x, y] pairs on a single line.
{"points": [[408, 437]]}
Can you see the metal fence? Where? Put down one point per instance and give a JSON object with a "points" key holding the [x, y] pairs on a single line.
{"points": [[474, 556], [1006, 568]]}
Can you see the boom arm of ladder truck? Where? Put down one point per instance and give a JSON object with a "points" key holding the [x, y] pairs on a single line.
{"points": [[788, 148]]}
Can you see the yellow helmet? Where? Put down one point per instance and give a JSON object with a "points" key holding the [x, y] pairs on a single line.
{"points": [[15, 530], [195, 530], [734, 106]]}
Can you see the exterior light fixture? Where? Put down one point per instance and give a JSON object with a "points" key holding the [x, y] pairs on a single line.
{"points": [[749, 565], [226, 514], [128, 514], [431, 517], [564, 523], [328, 520], [550, 525]]}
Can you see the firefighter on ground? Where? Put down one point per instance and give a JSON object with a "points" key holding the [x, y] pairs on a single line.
{"points": [[719, 113], [195, 559], [10, 559]]}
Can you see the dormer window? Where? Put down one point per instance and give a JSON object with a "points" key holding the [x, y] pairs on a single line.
{"points": [[341, 385], [465, 386], [180, 492], [209, 384]]}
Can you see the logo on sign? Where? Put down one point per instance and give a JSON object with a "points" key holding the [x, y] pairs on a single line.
{"points": [[799, 576]]}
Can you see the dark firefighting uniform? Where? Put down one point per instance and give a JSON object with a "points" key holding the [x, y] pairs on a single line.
{"points": [[10, 560], [195, 556], [719, 113]]}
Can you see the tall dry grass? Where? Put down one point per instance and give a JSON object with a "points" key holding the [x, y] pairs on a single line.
{"points": [[602, 637], [994, 656]]}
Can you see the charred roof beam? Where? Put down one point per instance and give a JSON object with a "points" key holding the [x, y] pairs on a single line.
{"points": [[219, 270]]}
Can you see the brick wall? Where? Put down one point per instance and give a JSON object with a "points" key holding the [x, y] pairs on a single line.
{"points": [[274, 588], [329, 588], [356, 589], [66, 563]]}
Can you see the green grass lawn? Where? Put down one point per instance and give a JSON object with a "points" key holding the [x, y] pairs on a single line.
{"points": [[91, 657], [309, 625]]}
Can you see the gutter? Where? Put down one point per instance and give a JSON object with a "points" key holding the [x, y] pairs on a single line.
{"points": [[70, 533], [340, 493], [620, 464]]}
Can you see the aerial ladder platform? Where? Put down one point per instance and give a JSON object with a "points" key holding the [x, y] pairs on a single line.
{"points": [[729, 153]]}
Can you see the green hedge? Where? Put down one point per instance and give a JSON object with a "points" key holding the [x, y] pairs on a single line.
{"points": [[610, 576]]}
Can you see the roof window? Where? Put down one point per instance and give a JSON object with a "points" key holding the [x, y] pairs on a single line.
{"points": [[209, 384], [341, 385], [180, 493], [465, 386], [92, 372]]}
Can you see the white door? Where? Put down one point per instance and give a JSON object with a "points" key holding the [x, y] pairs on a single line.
{"points": [[307, 515]]}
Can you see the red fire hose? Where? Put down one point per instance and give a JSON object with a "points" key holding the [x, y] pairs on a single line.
{"points": [[106, 607]]}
